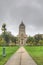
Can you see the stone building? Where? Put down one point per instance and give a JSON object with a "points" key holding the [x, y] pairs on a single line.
{"points": [[22, 37]]}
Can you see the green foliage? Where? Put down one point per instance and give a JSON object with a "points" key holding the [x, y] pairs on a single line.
{"points": [[30, 40], [4, 27], [14, 39], [7, 38], [4, 32], [2, 42], [35, 40], [41, 42]]}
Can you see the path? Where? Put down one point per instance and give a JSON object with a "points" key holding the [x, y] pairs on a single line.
{"points": [[21, 57]]}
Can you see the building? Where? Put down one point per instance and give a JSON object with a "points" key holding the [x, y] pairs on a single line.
{"points": [[22, 37]]}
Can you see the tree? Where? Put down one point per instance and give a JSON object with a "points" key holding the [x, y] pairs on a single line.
{"points": [[5, 35], [37, 38], [4, 30], [41, 42], [14, 39], [2, 42], [30, 40]]}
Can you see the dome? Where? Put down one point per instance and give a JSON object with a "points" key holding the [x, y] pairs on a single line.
{"points": [[22, 24]]}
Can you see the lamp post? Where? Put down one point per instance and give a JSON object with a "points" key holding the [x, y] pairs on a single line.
{"points": [[4, 30]]}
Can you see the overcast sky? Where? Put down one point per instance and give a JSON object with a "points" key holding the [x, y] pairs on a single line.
{"points": [[12, 12]]}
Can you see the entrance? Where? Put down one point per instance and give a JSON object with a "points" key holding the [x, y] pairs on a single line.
{"points": [[22, 42]]}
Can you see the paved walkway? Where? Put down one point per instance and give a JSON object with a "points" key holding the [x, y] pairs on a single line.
{"points": [[21, 57]]}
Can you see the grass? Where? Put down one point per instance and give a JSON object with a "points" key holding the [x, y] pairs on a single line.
{"points": [[9, 52], [36, 52]]}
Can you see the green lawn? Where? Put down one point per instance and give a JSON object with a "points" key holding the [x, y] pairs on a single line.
{"points": [[9, 52], [36, 52]]}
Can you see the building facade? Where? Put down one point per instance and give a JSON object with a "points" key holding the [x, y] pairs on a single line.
{"points": [[22, 37]]}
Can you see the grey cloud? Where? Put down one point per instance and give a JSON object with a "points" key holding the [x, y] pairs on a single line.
{"points": [[30, 11]]}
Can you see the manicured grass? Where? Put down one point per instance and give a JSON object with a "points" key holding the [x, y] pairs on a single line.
{"points": [[36, 52], [9, 52]]}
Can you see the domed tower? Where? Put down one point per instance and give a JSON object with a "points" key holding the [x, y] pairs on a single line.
{"points": [[22, 28], [22, 34]]}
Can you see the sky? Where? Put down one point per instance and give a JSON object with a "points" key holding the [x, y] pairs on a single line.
{"points": [[13, 12]]}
